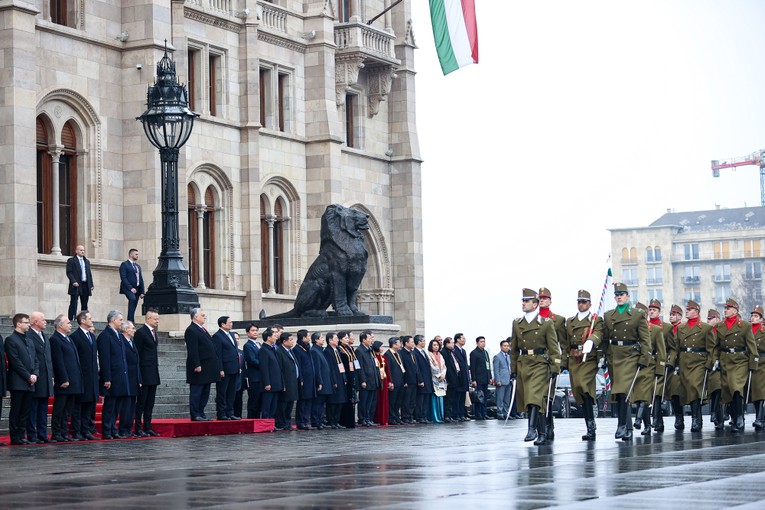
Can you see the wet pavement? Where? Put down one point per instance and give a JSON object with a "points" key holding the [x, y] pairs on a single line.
{"points": [[426, 466]]}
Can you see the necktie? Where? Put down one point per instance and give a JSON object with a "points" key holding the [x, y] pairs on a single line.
{"points": [[135, 268], [82, 267], [297, 369], [154, 335]]}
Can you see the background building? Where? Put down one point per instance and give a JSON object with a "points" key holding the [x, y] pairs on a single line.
{"points": [[302, 103], [706, 256]]}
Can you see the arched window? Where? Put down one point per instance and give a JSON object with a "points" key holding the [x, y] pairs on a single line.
{"points": [[653, 254], [202, 238], [272, 225], [56, 191]]}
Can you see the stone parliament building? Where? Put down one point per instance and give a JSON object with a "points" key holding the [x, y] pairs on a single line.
{"points": [[302, 104]]}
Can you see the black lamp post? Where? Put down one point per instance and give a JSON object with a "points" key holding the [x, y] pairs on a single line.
{"points": [[168, 122]]}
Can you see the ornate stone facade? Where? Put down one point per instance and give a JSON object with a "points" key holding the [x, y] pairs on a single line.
{"points": [[275, 143]]}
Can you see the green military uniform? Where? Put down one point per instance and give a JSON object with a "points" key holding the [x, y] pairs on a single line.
{"points": [[643, 391], [659, 355], [535, 354], [692, 353], [714, 382], [675, 390], [738, 355], [582, 373], [629, 345], [757, 391]]}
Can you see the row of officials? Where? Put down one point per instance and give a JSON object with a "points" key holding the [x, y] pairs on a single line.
{"points": [[687, 362], [77, 368]]}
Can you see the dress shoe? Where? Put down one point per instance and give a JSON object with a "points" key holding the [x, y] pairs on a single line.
{"points": [[151, 433], [89, 437], [118, 436], [2, 444], [372, 424], [18, 442], [59, 439], [141, 433], [48, 440], [223, 418], [304, 427], [77, 437], [106, 437], [234, 417]]}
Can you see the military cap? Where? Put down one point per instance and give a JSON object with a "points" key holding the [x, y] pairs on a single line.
{"points": [[620, 288], [758, 311], [712, 313], [545, 292], [529, 294], [655, 303], [693, 304], [640, 306], [583, 296], [731, 303], [676, 309]]}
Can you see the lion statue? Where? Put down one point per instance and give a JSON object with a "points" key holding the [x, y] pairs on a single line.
{"points": [[335, 275]]}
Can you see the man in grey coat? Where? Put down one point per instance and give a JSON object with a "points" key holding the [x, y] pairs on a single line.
{"points": [[501, 366]]}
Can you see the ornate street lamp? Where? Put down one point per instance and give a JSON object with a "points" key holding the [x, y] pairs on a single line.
{"points": [[168, 122]]}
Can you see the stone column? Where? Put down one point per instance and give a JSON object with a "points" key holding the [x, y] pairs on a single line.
{"points": [[387, 16], [55, 155], [200, 210], [270, 220]]}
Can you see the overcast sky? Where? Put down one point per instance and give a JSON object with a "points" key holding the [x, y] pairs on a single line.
{"points": [[580, 117]]}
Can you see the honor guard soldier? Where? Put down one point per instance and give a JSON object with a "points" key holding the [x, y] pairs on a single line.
{"points": [[757, 390], [535, 363], [675, 390], [545, 300], [691, 353], [714, 387], [629, 349], [646, 383], [658, 331], [584, 335], [738, 357]]}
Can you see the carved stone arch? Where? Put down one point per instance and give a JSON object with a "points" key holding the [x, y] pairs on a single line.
{"points": [[376, 291], [60, 106], [275, 188]]}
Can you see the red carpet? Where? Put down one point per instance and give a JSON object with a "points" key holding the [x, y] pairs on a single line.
{"points": [[185, 428]]}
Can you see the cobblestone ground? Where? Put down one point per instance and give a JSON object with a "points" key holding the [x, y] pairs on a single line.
{"points": [[476, 464]]}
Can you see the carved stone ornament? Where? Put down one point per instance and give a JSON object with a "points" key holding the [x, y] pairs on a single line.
{"points": [[380, 80], [346, 75]]}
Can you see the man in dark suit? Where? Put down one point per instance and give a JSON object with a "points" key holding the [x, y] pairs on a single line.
{"points": [[337, 381], [480, 376], [452, 380], [271, 379], [396, 383], [411, 380], [425, 387], [127, 412], [291, 376], [203, 367], [84, 415], [80, 281], [146, 342], [368, 378], [113, 376], [37, 423], [322, 381], [228, 354], [251, 351], [307, 383], [131, 282], [67, 377], [22, 376], [464, 377]]}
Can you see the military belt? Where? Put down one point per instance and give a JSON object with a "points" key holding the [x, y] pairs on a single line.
{"points": [[734, 349], [694, 349], [577, 347], [531, 352], [621, 343]]}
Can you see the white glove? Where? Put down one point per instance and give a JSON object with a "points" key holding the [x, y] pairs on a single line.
{"points": [[587, 346]]}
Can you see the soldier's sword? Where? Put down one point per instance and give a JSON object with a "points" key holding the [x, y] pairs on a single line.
{"points": [[512, 401], [664, 385], [748, 391], [633, 383], [704, 386], [549, 392], [653, 395]]}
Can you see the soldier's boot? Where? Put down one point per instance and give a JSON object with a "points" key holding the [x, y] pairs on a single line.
{"points": [[646, 421], [658, 415], [589, 419], [696, 420], [532, 433], [738, 408], [677, 409], [550, 428], [541, 430], [627, 420], [715, 410], [621, 426], [760, 419], [639, 415]]}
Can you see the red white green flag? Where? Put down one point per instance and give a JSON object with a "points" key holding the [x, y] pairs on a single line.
{"points": [[456, 33]]}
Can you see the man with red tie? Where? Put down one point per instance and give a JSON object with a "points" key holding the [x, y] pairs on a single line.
{"points": [[146, 343]]}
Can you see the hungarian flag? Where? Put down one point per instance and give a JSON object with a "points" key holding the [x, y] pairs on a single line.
{"points": [[456, 33], [606, 303]]}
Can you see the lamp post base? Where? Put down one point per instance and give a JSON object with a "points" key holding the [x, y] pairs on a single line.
{"points": [[170, 292]]}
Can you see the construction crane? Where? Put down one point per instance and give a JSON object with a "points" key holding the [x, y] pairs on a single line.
{"points": [[755, 158]]}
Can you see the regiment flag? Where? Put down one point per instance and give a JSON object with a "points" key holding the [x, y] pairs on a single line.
{"points": [[606, 303], [456, 33]]}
